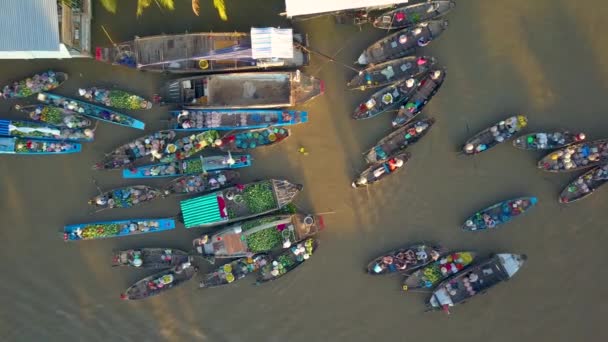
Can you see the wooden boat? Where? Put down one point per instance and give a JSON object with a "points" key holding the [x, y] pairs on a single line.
{"points": [[202, 52], [425, 90], [46, 81], [160, 282], [153, 258], [299, 10], [402, 43], [388, 98], [405, 259], [243, 90], [499, 213], [200, 183], [386, 73], [576, 157], [108, 229], [12, 145], [288, 260], [585, 185], [492, 136], [125, 155], [38, 130], [234, 270], [413, 14], [229, 119], [436, 272], [55, 116], [189, 166], [190, 145], [260, 235], [547, 140], [238, 203], [379, 171], [125, 197], [475, 280], [115, 98], [91, 110], [397, 141], [254, 138]]}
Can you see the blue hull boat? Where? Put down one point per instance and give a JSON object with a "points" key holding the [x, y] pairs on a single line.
{"points": [[229, 119], [39, 130], [188, 166], [91, 110], [14, 145], [108, 229]]}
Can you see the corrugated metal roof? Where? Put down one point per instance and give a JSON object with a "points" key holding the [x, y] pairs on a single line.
{"points": [[304, 7], [201, 210], [29, 25]]}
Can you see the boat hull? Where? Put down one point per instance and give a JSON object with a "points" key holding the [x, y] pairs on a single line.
{"points": [[46, 81], [585, 185], [127, 154], [201, 183], [151, 258], [399, 140], [234, 271], [12, 145], [390, 72], [288, 261], [499, 213], [115, 98], [126, 197], [436, 272], [230, 119], [576, 157], [425, 91], [379, 171], [187, 167], [409, 15], [404, 259], [108, 229], [497, 134], [547, 140], [154, 285]]}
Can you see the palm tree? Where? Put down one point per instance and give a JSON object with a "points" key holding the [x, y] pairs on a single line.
{"points": [[112, 5]]}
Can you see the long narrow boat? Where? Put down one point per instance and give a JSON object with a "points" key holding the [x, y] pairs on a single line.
{"points": [[189, 166], [288, 260], [426, 89], [243, 90], [108, 229], [36, 146], [46, 81], [125, 197], [234, 270], [402, 43], [115, 98], [405, 259], [499, 213], [91, 110], [436, 272], [153, 258], [492, 136], [39, 130], [410, 15], [576, 157], [255, 138], [55, 116], [475, 280], [238, 203], [302, 10], [260, 235], [160, 282], [381, 170], [585, 185], [125, 155], [388, 98], [548, 140], [386, 73], [200, 183], [229, 119], [397, 141], [190, 145]]}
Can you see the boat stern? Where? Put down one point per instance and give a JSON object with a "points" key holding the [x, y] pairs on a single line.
{"points": [[305, 88], [512, 262], [362, 60]]}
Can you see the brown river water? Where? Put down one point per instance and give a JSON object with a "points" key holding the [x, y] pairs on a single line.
{"points": [[543, 58]]}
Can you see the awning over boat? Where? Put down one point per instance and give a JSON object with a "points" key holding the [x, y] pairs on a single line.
{"points": [[305, 7], [270, 42], [7, 145], [201, 211]]}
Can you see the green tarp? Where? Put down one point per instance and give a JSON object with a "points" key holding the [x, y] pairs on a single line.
{"points": [[200, 211]]}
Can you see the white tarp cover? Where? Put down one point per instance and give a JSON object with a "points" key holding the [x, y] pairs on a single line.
{"points": [[303, 7], [270, 42]]}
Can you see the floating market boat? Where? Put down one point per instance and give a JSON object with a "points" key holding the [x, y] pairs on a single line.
{"points": [[233, 271], [160, 282], [499, 213], [490, 137], [229, 119], [476, 280], [100, 230], [150, 258], [115, 98], [238, 203], [125, 197], [585, 185], [36, 146], [413, 14], [188, 146], [378, 171], [261, 137], [243, 90], [203, 182], [404, 259], [576, 157], [436, 272], [46, 81], [91, 110], [55, 116], [402, 43], [302, 10], [288, 260], [548, 140], [387, 99], [398, 140], [426, 89], [125, 155], [383, 74], [38, 130], [259, 235], [189, 166]]}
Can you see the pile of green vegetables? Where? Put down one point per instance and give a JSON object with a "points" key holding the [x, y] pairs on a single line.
{"points": [[95, 231], [124, 100], [193, 166], [52, 115], [263, 240], [259, 197]]}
